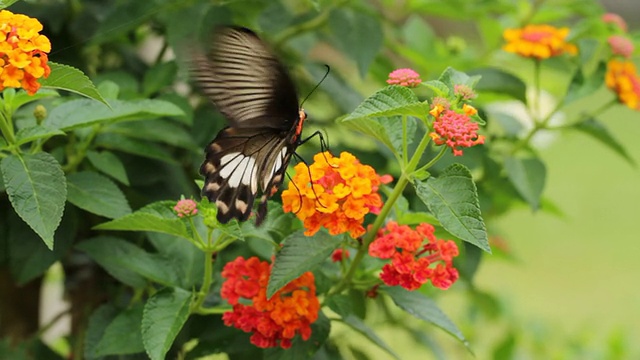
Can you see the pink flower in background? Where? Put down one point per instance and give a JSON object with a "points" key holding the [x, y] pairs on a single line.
{"points": [[404, 77], [186, 208], [620, 45]]}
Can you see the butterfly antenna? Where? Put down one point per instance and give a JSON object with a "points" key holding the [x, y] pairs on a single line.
{"points": [[317, 85]]}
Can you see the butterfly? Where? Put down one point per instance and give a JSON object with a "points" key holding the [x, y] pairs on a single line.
{"points": [[253, 90]]}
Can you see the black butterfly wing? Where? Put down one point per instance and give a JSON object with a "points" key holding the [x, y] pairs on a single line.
{"points": [[239, 163], [253, 90], [246, 82]]}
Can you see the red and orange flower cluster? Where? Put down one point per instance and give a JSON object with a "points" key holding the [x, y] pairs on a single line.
{"points": [[343, 192], [273, 322], [538, 41], [23, 52], [411, 260], [454, 129]]}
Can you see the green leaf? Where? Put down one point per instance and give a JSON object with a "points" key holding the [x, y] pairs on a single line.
{"points": [[96, 194], [122, 335], [599, 132], [186, 258], [127, 262], [159, 76], [31, 133], [37, 190], [133, 146], [301, 349], [393, 129], [528, 177], [159, 130], [358, 35], [452, 77], [98, 322], [82, 112], [164, 315], [438, 87], [158, 217], [28, 256], [22, 98], [65, 77], [299, 254], [425, 309], [389, 101], [109, 164], [583, 85], [453, 199], [6, 3], [359, 326], [500, 82]]}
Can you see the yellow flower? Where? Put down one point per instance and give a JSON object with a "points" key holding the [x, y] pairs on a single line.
{"points": [[343, 192], [622, 78], [538, 41], [23, 52]]}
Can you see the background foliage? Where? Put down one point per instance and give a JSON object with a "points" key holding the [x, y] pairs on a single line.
{"points": [[148, 147]]}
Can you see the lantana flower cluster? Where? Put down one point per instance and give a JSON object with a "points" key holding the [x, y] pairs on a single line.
{"points": [[186, 208], [455, 129], [273, 322], [412, 258], [23, 52], [622, 78], [538, 41], [404, 77], [334, 192]]}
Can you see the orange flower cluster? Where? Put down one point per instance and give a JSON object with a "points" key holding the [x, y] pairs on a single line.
{"points": [[622, 78], [23, 52], [538, 41], [274, 322], [454, 129], [408, 267], [343, 192]]}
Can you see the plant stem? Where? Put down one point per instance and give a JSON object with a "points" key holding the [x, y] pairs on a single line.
{"points": [[206, 282], [6, 127]]}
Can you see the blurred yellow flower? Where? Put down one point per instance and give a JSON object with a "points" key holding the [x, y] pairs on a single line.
{"points": [[23, 52], [622, 78], [538, 41]]}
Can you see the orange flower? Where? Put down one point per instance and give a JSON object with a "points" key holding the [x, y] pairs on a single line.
{"points": [[273, 322], [538, 41], [343, 192], [622, 78], [23, 52]]}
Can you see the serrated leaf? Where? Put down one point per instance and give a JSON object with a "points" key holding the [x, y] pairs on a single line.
{"points": [[122, 335], [340, 304], [528, 177], [452, 77], [186, 258], [121, 258], [500, 82], [159, 76], [37, 191], [158, 130], [582, 86], [425, 309], [357, 34], [598, 131], [82, 112], [438, 87], [358, 325], [301, 349], [98, 322], [96, 194], [156, 217], [65, 77], [453, 199], [393, 129], [31, 133], [22, 98], [109, 164], [389, 101], [164, 315], [6, 3], [299, 254]]}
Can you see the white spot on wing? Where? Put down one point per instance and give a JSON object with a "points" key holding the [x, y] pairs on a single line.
{"points": [[239, 169], [277, 165]]}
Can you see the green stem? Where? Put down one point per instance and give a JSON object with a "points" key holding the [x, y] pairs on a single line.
{"points": [[382, 216], [443, 150], [81, 151], [535, 107], [206, 282], [6, 127], [405, 143]]}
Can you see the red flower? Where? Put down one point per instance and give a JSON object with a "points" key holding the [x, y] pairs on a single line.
{"points": [[339, 255], [404, 77], [411, 258], [276, 321], [454, 129]]}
